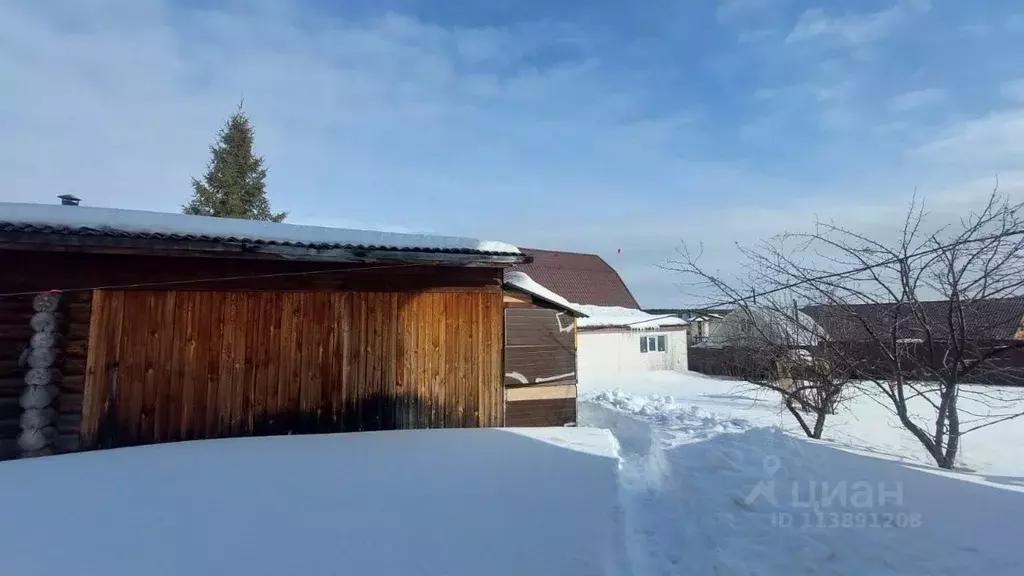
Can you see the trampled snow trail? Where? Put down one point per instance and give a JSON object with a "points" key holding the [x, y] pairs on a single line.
{"points": [[651, 534], [653, 539], [688, 477], [668, 532]]}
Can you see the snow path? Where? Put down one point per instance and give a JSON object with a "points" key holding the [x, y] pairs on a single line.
{"points": [[650, 539], [687, 487]]}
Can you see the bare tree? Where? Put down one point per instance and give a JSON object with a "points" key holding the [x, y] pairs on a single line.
{"points": [[917, 318], [772, 344]]}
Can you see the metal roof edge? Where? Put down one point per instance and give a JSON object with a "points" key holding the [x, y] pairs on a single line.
{"points": [[246, 249]]}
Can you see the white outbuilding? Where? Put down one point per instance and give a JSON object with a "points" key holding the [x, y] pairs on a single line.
{"points": [[615, 339]]}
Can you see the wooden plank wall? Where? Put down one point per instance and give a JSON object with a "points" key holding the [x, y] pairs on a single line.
{"points": [[540, 363], [540, 346], [548, 412], [166, 366]]}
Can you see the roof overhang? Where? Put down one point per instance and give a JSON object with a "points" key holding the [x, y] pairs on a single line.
{"points": [[629, 329], [65, 242], [536, 296]]}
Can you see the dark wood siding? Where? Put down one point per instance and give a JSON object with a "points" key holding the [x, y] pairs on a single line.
{"points": [[540, 346], [14, 336], [37, 271], [539, 363], [555, 412], [166, 366]]}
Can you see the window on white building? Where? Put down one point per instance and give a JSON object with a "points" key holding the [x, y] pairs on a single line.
{"points": [[652, 344]]}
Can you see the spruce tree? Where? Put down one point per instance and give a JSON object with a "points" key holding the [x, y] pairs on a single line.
{"points": [[234, 185]]}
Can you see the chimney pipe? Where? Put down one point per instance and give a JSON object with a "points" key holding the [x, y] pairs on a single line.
{"points": [[69, 200]]}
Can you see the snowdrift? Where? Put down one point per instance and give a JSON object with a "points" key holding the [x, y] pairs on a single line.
{"points": [[417, 502]]}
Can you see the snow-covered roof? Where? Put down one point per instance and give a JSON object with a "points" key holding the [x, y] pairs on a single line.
{"points": [[618, 317], [89, 221], [523, 282]]}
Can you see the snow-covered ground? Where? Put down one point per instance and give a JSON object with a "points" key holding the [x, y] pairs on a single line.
{"points": [[717, 480], [419, 502], [669, 474]]}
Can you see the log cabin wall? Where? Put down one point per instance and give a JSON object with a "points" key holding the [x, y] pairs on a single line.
{"points": [[349, 349], [540, 363], [14, 336], [71, 333]]}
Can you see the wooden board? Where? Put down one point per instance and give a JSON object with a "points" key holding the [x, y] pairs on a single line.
{"points": [[540, 347], [198, 364], [32, 271], [103, 365], [553, 392], [553, 412]]}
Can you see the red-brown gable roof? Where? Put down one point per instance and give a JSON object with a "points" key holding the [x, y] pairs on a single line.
{"points": [[579, 278]]}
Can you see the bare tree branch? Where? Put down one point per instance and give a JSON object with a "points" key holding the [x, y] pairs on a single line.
{"points": [[913, 319]]}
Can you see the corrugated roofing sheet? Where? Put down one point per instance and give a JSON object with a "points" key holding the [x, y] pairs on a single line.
{"points": [[109, 222]]}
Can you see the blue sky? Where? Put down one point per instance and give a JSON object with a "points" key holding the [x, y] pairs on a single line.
{"points": [[595, 125]]}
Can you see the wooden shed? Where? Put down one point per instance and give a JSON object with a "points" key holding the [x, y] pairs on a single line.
{"points": [[540, 354], [166, 327]]}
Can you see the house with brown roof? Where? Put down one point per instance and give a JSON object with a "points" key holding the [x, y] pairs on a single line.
{"points": [[614, 335], [993, 320]]}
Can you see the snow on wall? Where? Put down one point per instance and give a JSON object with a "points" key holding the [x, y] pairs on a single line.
{"points": [[618, 351], [522, 281], [144, 222], [619, 317]]}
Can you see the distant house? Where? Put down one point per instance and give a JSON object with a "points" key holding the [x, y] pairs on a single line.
{"points": [[995, 320], [614, 340], [579, 278], [614, 335], [865, 332], [540, 354], [756, 326], [702, 322], [145, 327], [747, 341]]}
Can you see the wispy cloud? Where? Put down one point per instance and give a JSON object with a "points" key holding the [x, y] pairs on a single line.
{"points": [[756, 35], [1014, 90], [593, 135], [909, 101], [975, 29], [734, 10], [853, 29], [993, 142], [150, 83]]}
